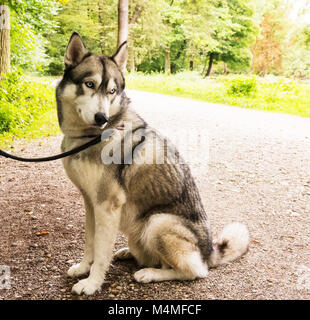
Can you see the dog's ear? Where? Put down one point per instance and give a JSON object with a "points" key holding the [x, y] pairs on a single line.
{"points": [[76, 50], [120, 56]]}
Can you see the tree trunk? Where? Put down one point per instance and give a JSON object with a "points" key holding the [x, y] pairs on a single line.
{"points": [[100, 18], [204, 68], [131, 57], [210, 65], [181, 50], [122, 22], [225, 68], [131, 39], [191, 65], [167, 61], [4, 39]]}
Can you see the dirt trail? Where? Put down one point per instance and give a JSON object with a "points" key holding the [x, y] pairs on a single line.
{"points": [[250, 166]]}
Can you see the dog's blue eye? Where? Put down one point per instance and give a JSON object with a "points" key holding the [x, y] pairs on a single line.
{"points": [[90, 84], [112, 91]]}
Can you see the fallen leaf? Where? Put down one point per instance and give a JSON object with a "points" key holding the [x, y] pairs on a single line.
{"points": [[42, 233]]}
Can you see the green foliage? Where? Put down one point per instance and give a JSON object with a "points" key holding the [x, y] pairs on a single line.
{"points": [[297, 59], [190, 30], [7, 116], [148, 32], [23, 104], [175, 38], [242, 86], [35, 13], [84, 18], [281, 47], [31, 20], [271, 94], [233, 33]]}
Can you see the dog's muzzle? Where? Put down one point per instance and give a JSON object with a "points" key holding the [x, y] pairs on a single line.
{"points": [[100, 119]]}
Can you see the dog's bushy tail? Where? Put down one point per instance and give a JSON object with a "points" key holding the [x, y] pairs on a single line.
{"points": [[231, 244]]}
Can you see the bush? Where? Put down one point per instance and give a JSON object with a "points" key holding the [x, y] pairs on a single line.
{"points": [[7, 116], [269, 94], [242, 86], [22, 101], [55, 68]]}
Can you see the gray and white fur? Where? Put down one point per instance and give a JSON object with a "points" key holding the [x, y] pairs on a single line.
{"points": [[157, 206]]}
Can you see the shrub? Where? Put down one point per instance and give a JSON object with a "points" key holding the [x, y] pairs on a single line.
{"points": [[7, 116], [269, 94], [242, 86], [55, 68], [22, 101]]}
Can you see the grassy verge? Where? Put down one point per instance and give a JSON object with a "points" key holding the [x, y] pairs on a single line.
{"points": [[27, 109], [269, 94], [45, 125]]}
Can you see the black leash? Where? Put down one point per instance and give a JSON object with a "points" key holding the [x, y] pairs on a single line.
{"points": [[56, 157]]}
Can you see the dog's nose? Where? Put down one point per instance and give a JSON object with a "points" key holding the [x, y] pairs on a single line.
{"points": [[100, 118]]}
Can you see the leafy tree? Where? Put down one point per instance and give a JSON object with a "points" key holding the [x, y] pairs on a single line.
{"points": [[145, 30], [104, 15], [165, 35], [170, 53], [232, 34], [268, 48], [28, 20], [197, 26], [175, 42], [93, 20], [296, 57]]}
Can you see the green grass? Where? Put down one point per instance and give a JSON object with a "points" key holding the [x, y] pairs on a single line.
{"points": [[44, 125], [268, 94], [28, 106], [27, 109]]}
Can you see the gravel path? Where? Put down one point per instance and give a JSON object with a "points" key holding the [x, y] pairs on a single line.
{"points": [[250, 166]]}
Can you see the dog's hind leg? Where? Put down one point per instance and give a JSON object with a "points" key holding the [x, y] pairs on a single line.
{"points": [[84, 266], [123, 254], [137, 252], [176, 248], [190, 267]]}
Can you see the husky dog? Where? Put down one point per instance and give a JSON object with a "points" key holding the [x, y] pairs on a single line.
{"points": [[156, 205]]}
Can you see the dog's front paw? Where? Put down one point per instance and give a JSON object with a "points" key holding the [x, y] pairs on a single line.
{"points": [[145, 275], [86, 286], [77, 270]]}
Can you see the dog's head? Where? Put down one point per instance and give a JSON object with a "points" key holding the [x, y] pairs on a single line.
{"points": [[90, 92]]}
